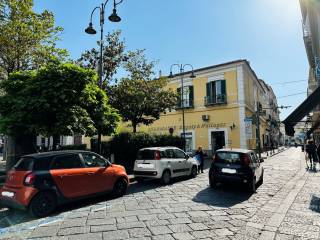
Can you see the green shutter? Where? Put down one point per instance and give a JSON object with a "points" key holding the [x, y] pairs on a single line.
{"points": [[224, 90], [214, 92], [179, 105], [209, 93], [191, 94]]}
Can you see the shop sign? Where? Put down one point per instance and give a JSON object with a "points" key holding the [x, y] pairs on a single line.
{"points": [[248, 126], [187, 127]]}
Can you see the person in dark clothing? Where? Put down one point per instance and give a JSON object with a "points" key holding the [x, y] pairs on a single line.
{"points": [[200, 157], [311, 150], [318, 152]]}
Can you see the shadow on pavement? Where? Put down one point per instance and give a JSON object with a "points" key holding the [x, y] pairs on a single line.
{"points": [[222, 196], [9, 218], [315, 204]]}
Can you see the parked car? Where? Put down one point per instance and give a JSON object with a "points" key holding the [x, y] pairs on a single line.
{"points": [[40, 182], [236, 165], [164, 163]]}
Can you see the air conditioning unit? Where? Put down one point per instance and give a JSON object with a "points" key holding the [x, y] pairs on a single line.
{"points": [[205, 117]]}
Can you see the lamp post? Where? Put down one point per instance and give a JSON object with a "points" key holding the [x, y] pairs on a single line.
{"points": [[182, 68], [90, 30]]}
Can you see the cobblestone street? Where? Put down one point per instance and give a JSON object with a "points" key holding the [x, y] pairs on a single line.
{"points": [[286, 206]]}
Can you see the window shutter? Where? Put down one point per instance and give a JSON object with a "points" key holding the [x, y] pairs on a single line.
{"points": [[191, 94], [179, 105], [224, 90]]}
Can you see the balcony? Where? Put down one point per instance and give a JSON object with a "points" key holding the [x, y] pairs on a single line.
{"points": [[187, 103], [219, 99]]}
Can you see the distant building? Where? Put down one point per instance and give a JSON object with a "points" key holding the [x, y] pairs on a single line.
{"points": [[220, 107]]}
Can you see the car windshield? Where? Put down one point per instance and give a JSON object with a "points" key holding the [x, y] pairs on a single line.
{"points": [[228, 157]]}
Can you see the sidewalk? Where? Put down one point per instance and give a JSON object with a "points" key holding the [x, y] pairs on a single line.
{"points": [[276, 151]]}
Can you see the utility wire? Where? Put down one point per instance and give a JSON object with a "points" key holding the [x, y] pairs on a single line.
{"points": [[289, 82], [295, 94]]}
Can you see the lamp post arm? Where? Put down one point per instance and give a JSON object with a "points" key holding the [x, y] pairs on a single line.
{"points": [[188, 65], [93, 12]]}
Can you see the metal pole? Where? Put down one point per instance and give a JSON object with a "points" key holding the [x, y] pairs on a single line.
{"points": [[258, 129], [101, 68], [182, 101]]}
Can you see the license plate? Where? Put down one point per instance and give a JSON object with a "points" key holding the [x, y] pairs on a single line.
{"points": [[228, 170], [145, 165], [7, 194]]}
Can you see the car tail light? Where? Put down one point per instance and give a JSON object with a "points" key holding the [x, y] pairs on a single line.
{"points": [[246, 160], [29, 179], [157, 155]]}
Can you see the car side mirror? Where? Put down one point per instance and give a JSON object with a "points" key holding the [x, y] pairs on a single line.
{"points": [[261, 160], [187, 156]]}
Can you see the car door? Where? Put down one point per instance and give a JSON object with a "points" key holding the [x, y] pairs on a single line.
{"points": [[69, 174], [255, 165], [100, 173], [259, 166], [182, 163]]}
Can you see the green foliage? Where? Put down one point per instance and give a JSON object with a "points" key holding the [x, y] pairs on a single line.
{"points": [[113, 56], [139, 98], [74, 147], [126, 145], [59, 99], [27, 39]]}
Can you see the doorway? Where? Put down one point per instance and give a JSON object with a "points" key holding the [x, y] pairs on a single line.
{"points": [[217, 140]]}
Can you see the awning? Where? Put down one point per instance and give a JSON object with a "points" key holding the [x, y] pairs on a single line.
{"points": [[300, 112], [314, 127]]}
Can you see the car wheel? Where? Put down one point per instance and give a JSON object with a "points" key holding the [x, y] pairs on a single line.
{"points": [[166, 177], [252, 185], [42, 204], [120, 187], [194, 172], [261, 180]]}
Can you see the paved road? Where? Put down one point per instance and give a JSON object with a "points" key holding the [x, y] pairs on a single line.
{"points": [[286, 206]]}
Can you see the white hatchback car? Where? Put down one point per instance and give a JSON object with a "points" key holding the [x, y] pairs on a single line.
{"points": [[164, 163]]}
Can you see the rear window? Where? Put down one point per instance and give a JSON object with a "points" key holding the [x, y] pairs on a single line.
{"points": [[228, 157], [24, 164], [148, 154], [145, 154]]}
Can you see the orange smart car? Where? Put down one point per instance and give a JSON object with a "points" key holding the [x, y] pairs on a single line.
{"points": [[40, 182]]}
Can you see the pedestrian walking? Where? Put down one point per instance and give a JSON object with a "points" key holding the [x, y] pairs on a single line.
{"points": [[311, 150], [200, 157]]}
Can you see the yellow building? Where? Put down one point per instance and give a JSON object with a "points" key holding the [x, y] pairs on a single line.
{"points": [[220, 105]]}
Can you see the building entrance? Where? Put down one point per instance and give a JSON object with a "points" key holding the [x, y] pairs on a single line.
{"points": [[217, 140]]}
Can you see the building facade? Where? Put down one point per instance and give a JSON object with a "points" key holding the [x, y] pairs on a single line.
{"points": [[310, 10], [220, 108]]}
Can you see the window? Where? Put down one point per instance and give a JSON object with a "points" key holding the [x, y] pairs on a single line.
{"points": [[91, 160], [187, 97], [216, 92], [169, 153], [67, 162], [145, 154], [179, 154], [228, 158], [24, 164]]}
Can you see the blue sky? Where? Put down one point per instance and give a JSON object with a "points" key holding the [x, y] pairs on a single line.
{"points": [[268, 33]]}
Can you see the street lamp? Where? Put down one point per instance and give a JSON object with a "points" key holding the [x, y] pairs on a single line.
{"points": [[182, 67], [90, 30]]}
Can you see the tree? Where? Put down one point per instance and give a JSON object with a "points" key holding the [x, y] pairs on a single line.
{"points": [[68, 101], [27, 39], [139, 98], [113, 55]]}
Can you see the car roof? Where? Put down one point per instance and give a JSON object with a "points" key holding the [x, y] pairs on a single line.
{"points": [[159, 148], [54, 153], [238, 150]]}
